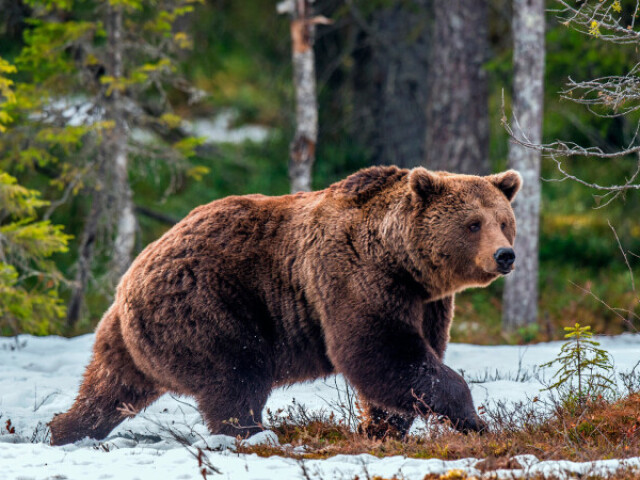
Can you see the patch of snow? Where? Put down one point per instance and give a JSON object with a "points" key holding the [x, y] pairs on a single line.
{"points": [[218, 129], [266, 437], [78, 111]]}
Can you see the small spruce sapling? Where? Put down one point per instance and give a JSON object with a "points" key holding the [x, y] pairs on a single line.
{"points": [[582, 365]]}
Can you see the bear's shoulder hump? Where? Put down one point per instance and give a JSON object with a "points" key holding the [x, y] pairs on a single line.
{"points": [[364, 184]]}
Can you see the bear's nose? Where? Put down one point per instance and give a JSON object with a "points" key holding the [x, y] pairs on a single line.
{"points": [[504, 258]]}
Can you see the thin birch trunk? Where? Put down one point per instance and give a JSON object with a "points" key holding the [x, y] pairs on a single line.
{"points": [[303, 147], [116, 145], [520, 300]]}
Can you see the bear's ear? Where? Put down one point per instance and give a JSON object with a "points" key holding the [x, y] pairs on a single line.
{"points": [[425, 184], [508, 182]]}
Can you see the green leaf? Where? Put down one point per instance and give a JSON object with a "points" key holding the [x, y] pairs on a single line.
{"points": [[187, 146], [197, 172]]}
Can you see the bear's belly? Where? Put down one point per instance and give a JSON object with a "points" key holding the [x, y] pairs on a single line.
{"points": [[179, 337], [301, 362]]}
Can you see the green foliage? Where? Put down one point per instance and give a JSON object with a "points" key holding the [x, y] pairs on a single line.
{"points": [[243, 60], [584, 371], [46, 53], [60, 112], [29, 280], [577, 248], [62, 74], [6, 93], [528, 333]]}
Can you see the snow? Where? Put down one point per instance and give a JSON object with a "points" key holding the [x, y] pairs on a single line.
{"points": [[40, 376], [78, 111], [219, 129]]}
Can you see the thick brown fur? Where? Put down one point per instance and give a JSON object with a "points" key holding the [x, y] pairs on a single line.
{"points": [[248, 293]]}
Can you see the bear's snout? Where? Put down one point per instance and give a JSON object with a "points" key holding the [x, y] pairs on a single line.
{"points": [[504, 258]]}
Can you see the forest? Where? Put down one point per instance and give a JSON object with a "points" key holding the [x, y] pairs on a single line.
{"points": [[404, 84], [119, 117]]}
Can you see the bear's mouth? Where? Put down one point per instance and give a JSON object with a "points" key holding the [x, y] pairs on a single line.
{"points": [[499, 271], [505, 271], [493, 271]]}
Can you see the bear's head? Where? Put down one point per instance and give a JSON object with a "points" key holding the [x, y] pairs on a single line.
{"points": [[463, 228]]}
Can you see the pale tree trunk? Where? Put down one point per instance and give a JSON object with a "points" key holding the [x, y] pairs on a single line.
{"points": [[457, 107], [303, 147], [116, 148], [520, 300]]}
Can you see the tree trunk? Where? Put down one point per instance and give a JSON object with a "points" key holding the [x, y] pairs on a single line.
{"points": [[14, 17], [112, 194], [116, 148], [303, 147], [390, 88], [85, 258], [457, 133], [521, 289]]}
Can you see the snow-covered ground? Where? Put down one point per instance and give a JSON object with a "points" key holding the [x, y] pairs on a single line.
{"points": [[40, 376]]}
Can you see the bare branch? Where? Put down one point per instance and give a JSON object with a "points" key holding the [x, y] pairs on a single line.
{"points": [[615, 311], [565, 149], [65, 196], [620, 94], [600, 19], [628, 185], [605, 97]]}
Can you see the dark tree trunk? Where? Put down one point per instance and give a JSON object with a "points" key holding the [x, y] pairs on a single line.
{"points": [[390, 91], [112, 196], [457, 119], [14, 17], [521, 289], [85, 256]]}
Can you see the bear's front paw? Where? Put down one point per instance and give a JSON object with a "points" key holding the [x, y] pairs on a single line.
{"points": [[473, 424]]}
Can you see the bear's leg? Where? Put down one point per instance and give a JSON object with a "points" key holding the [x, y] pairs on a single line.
{"points": [[392, 366], [103, 402], [436, 323], [232, 387], [234, 407], [112, 389], [379, 423]]}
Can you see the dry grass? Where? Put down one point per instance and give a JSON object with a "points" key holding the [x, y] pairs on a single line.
{"points": [[601, 429], [460, 475]]}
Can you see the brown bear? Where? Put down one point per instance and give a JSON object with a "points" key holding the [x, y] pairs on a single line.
{"points": [[252, 292]]}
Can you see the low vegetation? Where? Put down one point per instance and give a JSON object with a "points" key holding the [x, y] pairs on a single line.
{"points": [[598, 421], [600, 429]]}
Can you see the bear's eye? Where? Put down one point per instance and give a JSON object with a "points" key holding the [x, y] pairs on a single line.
{"points": [[503, 225], [474, 227]]}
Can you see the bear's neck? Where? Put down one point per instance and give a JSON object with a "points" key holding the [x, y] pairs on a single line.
{"points": [[385, 233]]}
